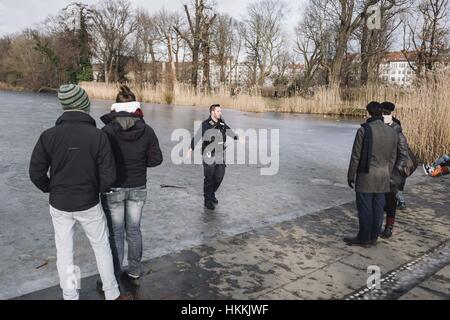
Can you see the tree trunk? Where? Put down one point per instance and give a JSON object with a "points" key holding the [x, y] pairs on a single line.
{"points": [[173, 71], [194, 71], [106, 73], [336, 67], [154, 67], [364, 74], [116, 69], [206, 83]]}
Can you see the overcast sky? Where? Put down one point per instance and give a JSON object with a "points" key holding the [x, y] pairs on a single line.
{"points": [[16, 15]]}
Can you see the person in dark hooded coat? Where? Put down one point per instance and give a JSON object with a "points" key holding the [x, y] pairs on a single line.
{"points": [[398, 178], [135, 147]]}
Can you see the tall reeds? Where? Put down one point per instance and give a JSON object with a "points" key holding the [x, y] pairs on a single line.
{"points": [[423, 110]]}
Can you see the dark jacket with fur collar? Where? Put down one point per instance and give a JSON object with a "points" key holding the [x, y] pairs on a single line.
{"points": [[135, 147]]}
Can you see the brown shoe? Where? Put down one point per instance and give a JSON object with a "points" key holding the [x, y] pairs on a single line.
{"points": [[126, 296]]}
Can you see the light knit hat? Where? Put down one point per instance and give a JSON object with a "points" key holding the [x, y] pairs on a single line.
{"points": [[73, 97]]}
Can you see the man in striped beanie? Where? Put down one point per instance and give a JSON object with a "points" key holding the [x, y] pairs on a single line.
{"points": [[73, 97], [81, 167]]}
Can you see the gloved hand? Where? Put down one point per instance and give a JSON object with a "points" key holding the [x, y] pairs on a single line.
{"points": [[404, 172], [351, 183]]}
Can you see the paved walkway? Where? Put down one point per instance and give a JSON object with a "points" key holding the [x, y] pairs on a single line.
{"points": [[305, 258]]}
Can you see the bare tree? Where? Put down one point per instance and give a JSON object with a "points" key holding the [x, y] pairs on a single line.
{"points": [[206, 50], [426, 35], [345, 16], [113, 23], [65, 40], [5, 45], [348, 23], [144, 49], [198, 20], [166, 23], [179, 45], [263, 37], [226, 44], [376, 42], [237, 46], [25, 66], [313, 39]]}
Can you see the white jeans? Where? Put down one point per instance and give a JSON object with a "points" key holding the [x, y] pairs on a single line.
{"points": [[95, 226]]}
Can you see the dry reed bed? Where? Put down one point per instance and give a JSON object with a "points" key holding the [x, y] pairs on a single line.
{"points": [[183, 95], [424, 110]]}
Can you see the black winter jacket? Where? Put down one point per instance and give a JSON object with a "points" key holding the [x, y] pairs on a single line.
{"points": [[215, 129], [398, 176], [80, 160], [135, 147]]}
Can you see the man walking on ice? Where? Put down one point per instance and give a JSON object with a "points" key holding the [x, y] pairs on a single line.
{"points": [[213, 134]]}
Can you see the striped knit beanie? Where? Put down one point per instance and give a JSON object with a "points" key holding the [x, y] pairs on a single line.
{"points": [[73, 97]]}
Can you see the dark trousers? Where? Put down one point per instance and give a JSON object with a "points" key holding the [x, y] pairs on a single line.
{"points": [[214, 174], [370, 212], [401, 187], [390, 208]]}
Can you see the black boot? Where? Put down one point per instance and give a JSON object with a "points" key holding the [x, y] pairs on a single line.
{"points": [[209, 205], [356, 242], [99, 287], [387, 233]]}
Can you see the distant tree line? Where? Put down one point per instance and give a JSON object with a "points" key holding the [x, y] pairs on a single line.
{"points": [[333, 43]]}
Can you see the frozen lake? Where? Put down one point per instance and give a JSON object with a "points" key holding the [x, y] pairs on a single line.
{"points": [[314, 155]]}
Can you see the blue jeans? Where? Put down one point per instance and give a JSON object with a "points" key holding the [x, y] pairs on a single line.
{"points": [[442, 161], [370, 213], [123, 209]]}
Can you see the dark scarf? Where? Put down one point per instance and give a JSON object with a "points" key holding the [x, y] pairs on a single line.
{"points": [[366, 152], [397, 121]]}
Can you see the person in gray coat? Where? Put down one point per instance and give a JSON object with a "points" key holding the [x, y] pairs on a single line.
{"points": [[373, 159]]}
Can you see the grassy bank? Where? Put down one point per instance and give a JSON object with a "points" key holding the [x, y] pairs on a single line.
{"points": [[7, 87]]}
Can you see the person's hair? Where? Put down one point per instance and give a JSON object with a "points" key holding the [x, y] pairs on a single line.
{"points": [[213, 107], [375, 109], [125, 95]]}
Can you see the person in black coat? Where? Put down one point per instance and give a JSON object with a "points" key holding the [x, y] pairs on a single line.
{"points": [[81, 166], [80, 159], [213, 135]]}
